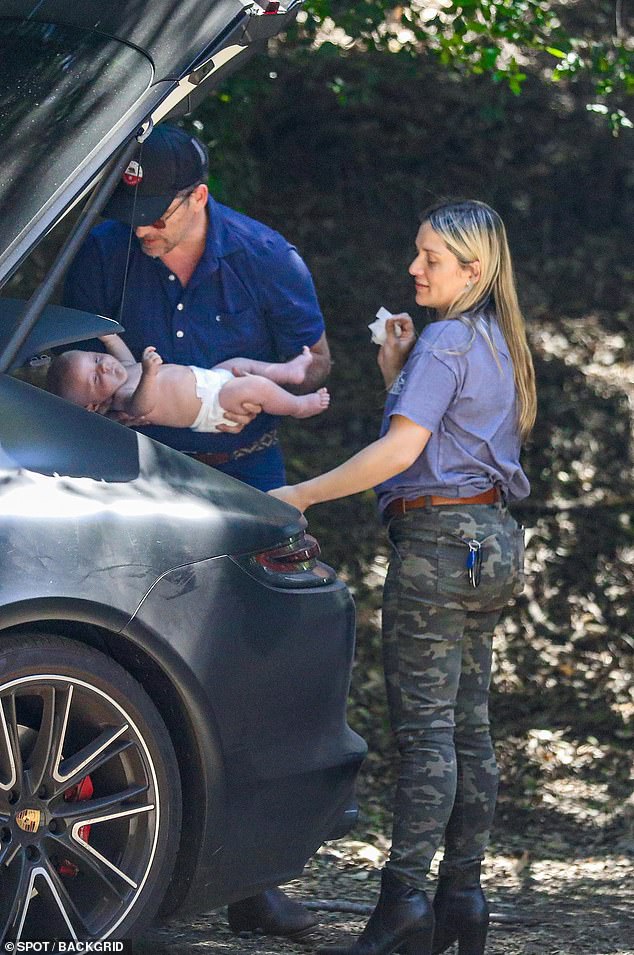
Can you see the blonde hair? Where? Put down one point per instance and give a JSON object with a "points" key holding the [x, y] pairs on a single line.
{"points": [[473, 231]]}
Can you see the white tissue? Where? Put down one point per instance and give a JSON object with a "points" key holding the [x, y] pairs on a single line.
{"points": [[377, 327]]}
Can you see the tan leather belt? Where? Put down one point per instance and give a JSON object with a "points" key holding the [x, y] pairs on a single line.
{"points": [[401, 505], [266, 440]]}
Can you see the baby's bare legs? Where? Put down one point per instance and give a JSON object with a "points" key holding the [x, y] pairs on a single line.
{"points": [[273, 399], [291, 372]]}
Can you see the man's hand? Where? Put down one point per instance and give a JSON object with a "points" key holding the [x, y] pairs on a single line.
{"points": [[151, 361], [394, 352], [249, 412]]}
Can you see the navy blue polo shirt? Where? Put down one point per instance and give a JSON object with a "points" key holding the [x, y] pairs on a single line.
{"points": [[251, 295]]}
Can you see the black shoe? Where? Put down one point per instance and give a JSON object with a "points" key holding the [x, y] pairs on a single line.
{"points": [[403, 920], [271, 913], [461, 911]]}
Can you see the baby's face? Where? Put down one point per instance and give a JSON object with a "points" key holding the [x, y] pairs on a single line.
{"points": [[93, 378]]}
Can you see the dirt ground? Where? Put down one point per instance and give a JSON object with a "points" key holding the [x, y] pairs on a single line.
{"points": [[563, 901]]}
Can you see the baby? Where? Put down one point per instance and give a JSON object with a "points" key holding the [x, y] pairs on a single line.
{"points": [[180, 396]]}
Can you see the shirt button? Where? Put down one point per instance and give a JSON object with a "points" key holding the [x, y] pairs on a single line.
{"points": [[172, 278], [180, 306], [180, 333], [217, 318]]}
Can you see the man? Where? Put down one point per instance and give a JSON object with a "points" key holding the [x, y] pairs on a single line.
{"points": [[204, 284]]}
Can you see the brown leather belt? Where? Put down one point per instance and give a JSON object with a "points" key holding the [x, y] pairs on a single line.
{"points": [[400, 505], [266, 440], [213, 460]]}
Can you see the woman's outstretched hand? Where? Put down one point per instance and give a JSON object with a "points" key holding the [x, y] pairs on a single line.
{"points": [[394, 352], [291, 494]]}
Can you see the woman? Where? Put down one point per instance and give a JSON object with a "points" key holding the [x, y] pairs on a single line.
{"points": [[460, 401]]}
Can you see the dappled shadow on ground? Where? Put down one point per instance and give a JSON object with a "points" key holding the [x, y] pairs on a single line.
{"points": [[540, 904]]}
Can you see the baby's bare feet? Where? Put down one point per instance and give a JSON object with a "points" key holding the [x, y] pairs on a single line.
{"points": [[309, 405], [295, 369]]}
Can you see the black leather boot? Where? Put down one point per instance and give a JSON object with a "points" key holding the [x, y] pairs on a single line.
{"points": [[461, 911], [271, 913], [403, 920]]}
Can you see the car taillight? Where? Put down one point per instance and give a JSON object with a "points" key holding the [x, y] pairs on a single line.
{"points": [[292, 564], [298, 555]]}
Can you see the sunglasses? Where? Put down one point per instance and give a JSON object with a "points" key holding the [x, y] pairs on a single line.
{"points": [[162, 221]]}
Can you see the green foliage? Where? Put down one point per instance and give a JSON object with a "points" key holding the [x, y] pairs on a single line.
{"points": [[503, 39]]}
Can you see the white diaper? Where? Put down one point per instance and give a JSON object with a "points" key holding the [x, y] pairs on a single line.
{"points": [[209, 381]]}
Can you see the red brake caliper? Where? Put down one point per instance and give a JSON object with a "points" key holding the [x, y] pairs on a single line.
{"points": [[83, 790]]}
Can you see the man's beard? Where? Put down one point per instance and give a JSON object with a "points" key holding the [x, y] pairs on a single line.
{"points": [[156, 247]]}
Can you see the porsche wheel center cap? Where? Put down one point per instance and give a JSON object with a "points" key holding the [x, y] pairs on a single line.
{"points": [[28, 819]]}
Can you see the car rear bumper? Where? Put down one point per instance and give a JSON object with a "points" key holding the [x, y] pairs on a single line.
{"points": [[269, 669]]}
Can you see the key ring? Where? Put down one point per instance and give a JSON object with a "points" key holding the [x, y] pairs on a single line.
{"points": [[474, 562]]}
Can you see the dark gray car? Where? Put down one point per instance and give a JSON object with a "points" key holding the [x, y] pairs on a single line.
{"points": [[174, 657]]}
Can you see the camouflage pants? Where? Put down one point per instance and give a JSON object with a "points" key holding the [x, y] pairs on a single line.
{"points": [[437, 637]]}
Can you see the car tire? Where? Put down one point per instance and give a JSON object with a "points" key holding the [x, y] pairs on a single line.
{"points": [[90, 798]]}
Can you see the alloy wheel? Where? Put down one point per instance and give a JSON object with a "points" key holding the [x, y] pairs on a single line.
{"points": [[80, 808]]}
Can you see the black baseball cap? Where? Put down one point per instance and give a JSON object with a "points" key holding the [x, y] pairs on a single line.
{"points": [[169, 161]]}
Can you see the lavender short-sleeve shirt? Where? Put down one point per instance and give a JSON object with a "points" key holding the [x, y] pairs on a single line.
{"points": [[463, 391]]}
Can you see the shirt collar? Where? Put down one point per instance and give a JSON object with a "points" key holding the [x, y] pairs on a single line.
{"points": [[218, 243], [220, 240]]}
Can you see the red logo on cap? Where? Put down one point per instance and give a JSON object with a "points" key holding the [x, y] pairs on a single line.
{"points": [[133, 174]]}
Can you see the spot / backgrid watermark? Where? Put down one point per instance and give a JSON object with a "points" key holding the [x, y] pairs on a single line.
{"points": [[70, 947]]}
